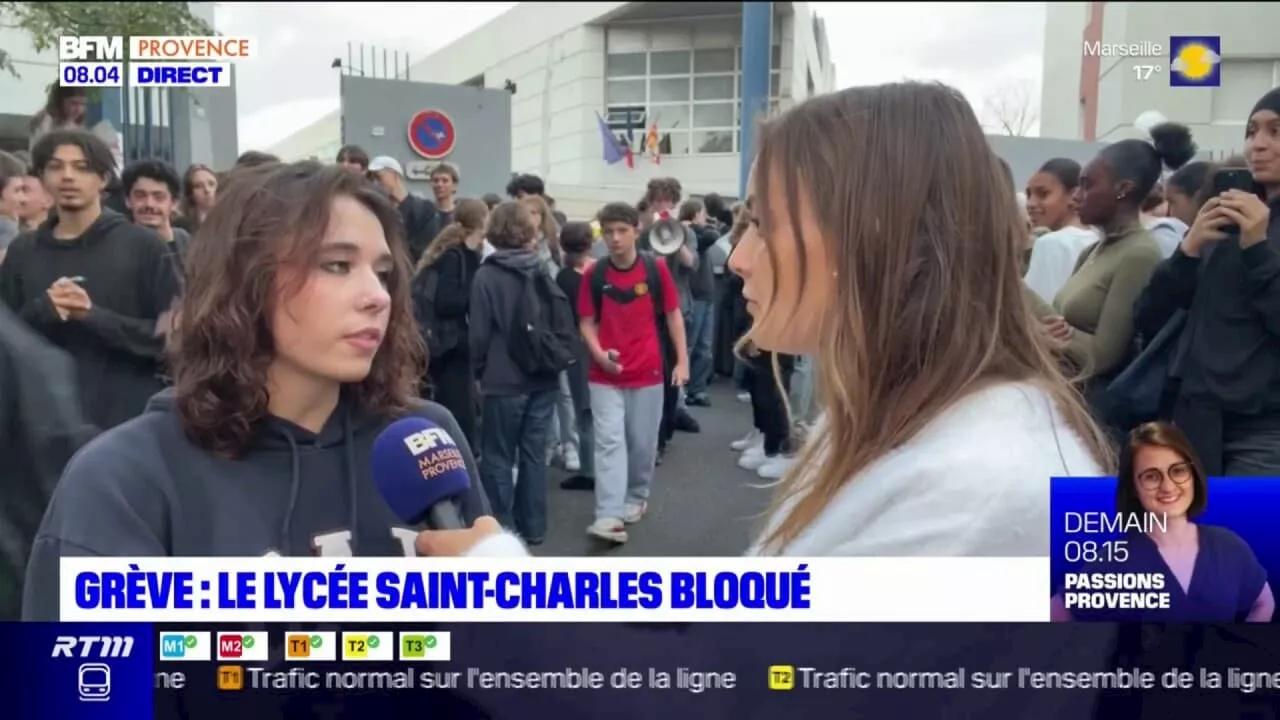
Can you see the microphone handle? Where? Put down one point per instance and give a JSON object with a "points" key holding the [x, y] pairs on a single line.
{"points": [[444, 515]]}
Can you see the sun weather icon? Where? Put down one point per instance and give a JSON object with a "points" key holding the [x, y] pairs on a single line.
{"points": [[1195, 61]]}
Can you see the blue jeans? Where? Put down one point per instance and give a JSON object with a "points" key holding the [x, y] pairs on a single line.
{"points": [[699, 325], [514, 433]]}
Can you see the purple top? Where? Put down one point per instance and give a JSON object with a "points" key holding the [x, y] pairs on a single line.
{"points": [[1225, 581]]}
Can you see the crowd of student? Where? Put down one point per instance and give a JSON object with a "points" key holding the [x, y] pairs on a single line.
{"points": [[948, 383], [97, 262], [1152, 274]]}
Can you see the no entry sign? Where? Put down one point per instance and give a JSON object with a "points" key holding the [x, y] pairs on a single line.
{"points": [[432, 135]]}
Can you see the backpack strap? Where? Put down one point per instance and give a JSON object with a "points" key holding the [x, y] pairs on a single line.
{"points": [[598, 280], [654, 278]]}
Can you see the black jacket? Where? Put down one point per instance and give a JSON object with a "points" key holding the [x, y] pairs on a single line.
{"points": [[130, 278], [422, 222], [41, 427], [1229, 355], [497, 290]]}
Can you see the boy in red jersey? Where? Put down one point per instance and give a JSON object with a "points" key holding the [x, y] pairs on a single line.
{"points": [[633, 329]]}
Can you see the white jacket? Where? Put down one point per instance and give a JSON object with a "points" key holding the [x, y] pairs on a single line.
{"points": [[974, 482]]}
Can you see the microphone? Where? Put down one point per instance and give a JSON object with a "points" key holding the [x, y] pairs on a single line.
{"points": [[419, 471]]}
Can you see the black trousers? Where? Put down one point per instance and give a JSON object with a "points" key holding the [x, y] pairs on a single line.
{"points": [[670, 393], [768, 407], [452, 385]]}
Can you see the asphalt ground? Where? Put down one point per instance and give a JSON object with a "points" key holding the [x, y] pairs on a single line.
{"points": [[702, 503]]}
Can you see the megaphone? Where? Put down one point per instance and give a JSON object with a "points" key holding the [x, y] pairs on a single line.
{"points": [[666, 235]]}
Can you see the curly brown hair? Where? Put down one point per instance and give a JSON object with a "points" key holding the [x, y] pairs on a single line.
{"points": [[663, 188], [272, 219]]}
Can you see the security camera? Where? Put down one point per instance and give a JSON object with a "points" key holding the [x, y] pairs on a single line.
{"points": [[509, 87]]}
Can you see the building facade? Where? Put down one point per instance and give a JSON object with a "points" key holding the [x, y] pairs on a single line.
{"points": [[634, 65], [1110, 94]]}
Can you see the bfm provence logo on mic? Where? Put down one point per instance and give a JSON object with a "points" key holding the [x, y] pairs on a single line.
{"points": [[436, 453]]}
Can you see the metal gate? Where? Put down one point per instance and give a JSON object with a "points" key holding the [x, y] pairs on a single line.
{"points": [[148, 124], [144, 119]]}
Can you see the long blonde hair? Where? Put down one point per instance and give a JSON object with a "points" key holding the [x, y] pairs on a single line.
{"points": [[741, 221], [469, 217], [549, 229], [923, 234]]}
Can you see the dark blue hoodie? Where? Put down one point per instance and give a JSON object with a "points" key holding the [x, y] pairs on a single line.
{"points": [[144, 490]]}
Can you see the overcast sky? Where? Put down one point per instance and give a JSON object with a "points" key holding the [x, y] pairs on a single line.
{"points": [[990, 51]]}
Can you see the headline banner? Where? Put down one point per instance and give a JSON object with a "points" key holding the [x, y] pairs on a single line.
{"points": [[554, 589]]}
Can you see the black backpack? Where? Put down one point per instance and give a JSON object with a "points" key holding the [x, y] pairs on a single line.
{"points": [[441, 335], [542, 335]]}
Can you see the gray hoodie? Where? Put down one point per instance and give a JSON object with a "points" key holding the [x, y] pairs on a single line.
{"points": [[143, 490], [495, 293]]}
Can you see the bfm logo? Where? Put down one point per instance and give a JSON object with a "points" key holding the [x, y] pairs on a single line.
{"points": [[96, 47], [424, 440], [93, 646]]}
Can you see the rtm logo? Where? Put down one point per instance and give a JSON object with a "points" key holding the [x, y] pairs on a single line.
{"points": [[106, 647], [87, 48], [425, 440]]}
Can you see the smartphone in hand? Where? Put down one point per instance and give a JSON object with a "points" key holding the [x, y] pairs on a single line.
{"points": [[1233, 179]]}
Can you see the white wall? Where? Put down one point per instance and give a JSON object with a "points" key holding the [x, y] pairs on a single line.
{"points": [[1060, 112], [578, 174], [557, 60], [493, 45], [1250, 67]]}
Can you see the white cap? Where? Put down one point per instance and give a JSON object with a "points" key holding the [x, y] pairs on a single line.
{"points": [[386, 162]]}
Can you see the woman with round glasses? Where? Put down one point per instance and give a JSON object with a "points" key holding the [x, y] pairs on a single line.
{"points": [[1211, 575]]}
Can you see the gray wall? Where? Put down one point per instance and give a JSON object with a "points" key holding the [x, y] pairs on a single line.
{"points": [[376, 114], [1025, 155], [205, 118], [206, 122]]}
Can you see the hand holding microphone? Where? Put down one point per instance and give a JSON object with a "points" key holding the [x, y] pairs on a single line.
{"points": [[456, 543]]}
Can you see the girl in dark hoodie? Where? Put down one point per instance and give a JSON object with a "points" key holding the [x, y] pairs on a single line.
{"points": [[1226, 275], [441, 296], [296, 346]]}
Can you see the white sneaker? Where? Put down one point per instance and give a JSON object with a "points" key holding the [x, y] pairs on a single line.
{"points": [[773, 468], [611, 529], [753, 458], [746, 441], [634, 512], [572, 462], [744, 397]]}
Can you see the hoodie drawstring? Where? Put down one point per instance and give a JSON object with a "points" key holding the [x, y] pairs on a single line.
{"points": [[295, 487], [353, 501]]}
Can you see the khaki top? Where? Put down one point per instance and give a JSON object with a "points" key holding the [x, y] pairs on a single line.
{"points": [[1097, 300]]}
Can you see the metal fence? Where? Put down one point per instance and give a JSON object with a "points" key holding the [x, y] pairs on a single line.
{"points": [[148, 130]]}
